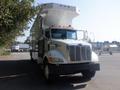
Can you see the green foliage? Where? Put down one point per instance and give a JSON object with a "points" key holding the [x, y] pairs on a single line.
{"points": [[14, 17], [4, 51]]}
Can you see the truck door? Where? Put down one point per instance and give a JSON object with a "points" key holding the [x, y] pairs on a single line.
{"points": [[41, 40], [41, 47], [42, 44]]}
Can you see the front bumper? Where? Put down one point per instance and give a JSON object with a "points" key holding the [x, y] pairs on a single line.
{"points": [[62, 69]]}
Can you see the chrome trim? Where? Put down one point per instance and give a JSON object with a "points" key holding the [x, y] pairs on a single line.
{"points": [[84, 53]]}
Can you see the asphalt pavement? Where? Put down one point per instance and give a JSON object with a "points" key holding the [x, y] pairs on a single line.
{"points": [[17, 72]]}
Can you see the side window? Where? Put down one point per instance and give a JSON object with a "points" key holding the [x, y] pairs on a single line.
{"points": [[47, 34]]}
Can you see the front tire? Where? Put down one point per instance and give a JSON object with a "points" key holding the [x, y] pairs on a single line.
{"points": [[88, 74], [110, 53], [47, 73]]}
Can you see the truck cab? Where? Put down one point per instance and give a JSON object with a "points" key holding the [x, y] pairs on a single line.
{"points": [[58, 47]]}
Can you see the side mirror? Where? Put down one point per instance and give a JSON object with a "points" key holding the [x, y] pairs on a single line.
{"points": [[86, 36], [44, 37], [91, 37]]}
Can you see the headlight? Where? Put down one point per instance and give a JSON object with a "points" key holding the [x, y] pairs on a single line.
{"points": [[54, 59]]}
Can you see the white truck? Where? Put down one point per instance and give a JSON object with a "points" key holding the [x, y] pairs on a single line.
{"points": [[58, 47]]}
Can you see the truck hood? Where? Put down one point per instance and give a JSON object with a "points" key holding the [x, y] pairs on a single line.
{"points": [[71, 42]]}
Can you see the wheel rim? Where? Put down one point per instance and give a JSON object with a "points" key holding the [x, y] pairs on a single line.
{"points": [[46, 71]]}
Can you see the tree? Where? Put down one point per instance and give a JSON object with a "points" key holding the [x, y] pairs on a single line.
{"points": [[14, 17]]}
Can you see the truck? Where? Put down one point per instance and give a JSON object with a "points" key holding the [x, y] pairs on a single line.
{"points": [[20, 48], [59, 48]]}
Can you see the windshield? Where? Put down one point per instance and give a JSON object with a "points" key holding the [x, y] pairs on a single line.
{"points": [[63, 34]]}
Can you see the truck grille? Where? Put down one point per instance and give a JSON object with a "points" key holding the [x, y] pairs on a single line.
{"points": [[79, 53]]}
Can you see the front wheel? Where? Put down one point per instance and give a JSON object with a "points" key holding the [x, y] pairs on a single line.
{"points": [[47, 73], [88, 74], [110, 53]]}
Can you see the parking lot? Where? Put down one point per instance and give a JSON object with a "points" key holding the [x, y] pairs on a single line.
{"points": [[17, 72]]}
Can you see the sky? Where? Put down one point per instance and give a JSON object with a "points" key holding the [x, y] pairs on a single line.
{"points": [[101, 18]]}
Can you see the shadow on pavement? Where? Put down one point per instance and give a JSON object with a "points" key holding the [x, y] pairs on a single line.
{"points": [[25, 75]]}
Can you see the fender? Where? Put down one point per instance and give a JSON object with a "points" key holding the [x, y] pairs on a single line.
{"points": [[54, 56], [94, 57]]}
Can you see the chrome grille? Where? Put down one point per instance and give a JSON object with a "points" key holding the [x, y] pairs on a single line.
{"points": [[79, 52]]}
